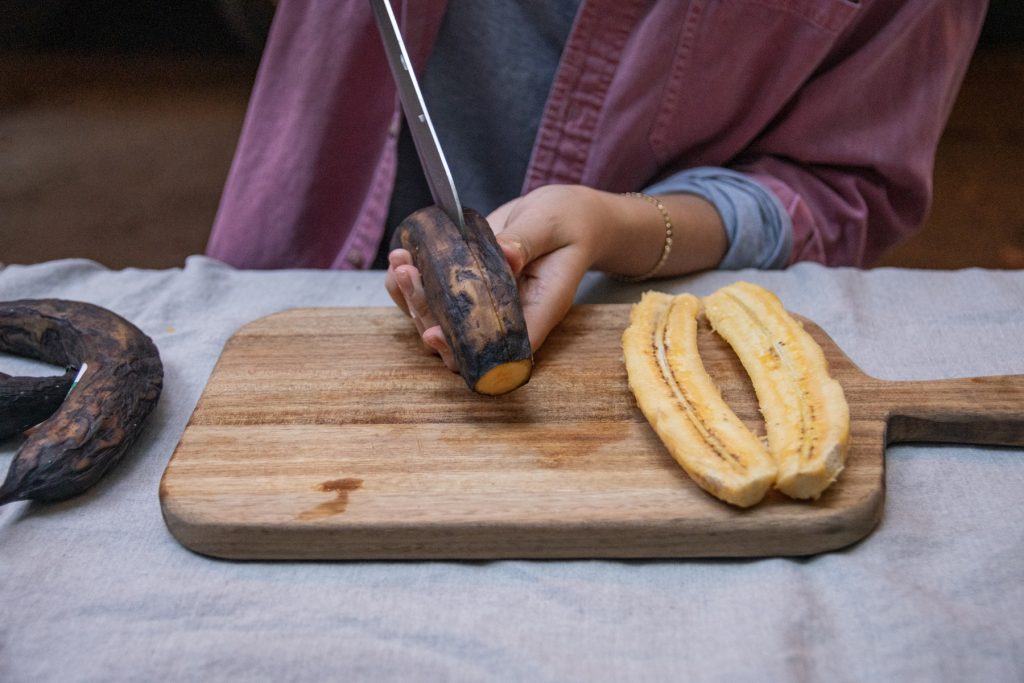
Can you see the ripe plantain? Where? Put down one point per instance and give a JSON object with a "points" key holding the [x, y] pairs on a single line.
{"points": [[806, 415], [27, 401], [684, 406], [473, 295], [120, 382]]}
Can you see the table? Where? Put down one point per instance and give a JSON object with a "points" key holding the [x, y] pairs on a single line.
{"points": [[96, 589]]}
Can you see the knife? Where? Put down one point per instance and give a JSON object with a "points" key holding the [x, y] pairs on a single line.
{"points": [[468, 284], [428, 147]]}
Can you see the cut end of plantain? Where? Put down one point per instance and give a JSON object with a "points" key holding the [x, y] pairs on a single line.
{"points": [[505, 378]]}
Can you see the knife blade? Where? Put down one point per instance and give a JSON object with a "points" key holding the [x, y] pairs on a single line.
{"points": [[428, 147]]}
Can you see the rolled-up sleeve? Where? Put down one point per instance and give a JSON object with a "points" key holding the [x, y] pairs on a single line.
{"points": [[757, 226]]}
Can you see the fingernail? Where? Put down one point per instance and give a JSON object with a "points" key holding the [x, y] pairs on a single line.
{"points": [[404, 282], [512, 242]]}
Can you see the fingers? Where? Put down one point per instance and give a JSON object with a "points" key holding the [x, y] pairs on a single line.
{"points": [[548, 238], [434, 340], [547, 291], [523, 237], [497, 218], [547, 249], [398, 257], [405, 287], [411, 286]]}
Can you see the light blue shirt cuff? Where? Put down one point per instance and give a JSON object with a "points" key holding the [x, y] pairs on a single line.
{"points": [[758, 227]]}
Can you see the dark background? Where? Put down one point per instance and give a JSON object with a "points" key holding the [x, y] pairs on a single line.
{"points": [[210, 27], [118, 121], [228, 26]]}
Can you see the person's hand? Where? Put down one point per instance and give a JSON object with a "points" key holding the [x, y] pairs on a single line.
{"points": [[549, 237], [553, 235], [406, 289]]}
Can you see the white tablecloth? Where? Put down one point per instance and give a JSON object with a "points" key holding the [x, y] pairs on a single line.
{"points": [[96, 589]]}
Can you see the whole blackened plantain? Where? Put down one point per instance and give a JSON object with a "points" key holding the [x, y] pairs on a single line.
{"points": [[102, 415]]}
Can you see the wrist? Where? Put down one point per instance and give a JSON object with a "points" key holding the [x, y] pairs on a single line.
{"points": [[620, 222], [663, 235], [639, 237], [606, 220]]}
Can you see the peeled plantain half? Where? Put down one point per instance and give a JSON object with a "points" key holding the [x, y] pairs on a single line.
{"points": [[685, 407], [806, 416], [805, 411], [120, 378]]}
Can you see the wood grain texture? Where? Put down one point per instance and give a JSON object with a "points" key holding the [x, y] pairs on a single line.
{"points": [[328, 434]]}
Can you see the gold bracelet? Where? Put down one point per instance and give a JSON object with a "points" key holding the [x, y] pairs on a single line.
{"points": [[665, 251]]}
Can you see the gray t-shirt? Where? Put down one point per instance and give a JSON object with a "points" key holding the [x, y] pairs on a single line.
{"points": [[485, 85]]}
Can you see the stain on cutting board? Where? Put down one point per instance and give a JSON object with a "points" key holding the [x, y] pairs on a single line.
{"points": [[337, 505]]}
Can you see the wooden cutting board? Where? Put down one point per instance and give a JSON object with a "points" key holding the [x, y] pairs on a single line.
{"points": [[329, 434]]}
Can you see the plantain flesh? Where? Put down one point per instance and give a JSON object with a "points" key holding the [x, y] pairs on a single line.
{"points": [[685, 407], [807, 419]]}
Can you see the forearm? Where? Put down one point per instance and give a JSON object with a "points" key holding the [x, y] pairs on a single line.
{"points": [[634, 232]]}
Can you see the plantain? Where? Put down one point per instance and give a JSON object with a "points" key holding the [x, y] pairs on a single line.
{"points": [[684, 406], [120, 378], [27, 401], [806, 415], [473, 295]]}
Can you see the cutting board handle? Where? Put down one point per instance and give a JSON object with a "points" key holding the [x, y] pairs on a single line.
{"points": [[975, 410]]}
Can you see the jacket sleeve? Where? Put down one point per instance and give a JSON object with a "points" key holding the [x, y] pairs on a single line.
{"points": [[851, 155], [757, 226]]}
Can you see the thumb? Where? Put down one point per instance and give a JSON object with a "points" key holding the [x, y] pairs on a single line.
{"points": [[516, 251], [525, 236]]}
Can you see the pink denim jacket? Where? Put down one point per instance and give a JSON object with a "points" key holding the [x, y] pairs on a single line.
{"points": [[836, 106]]}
